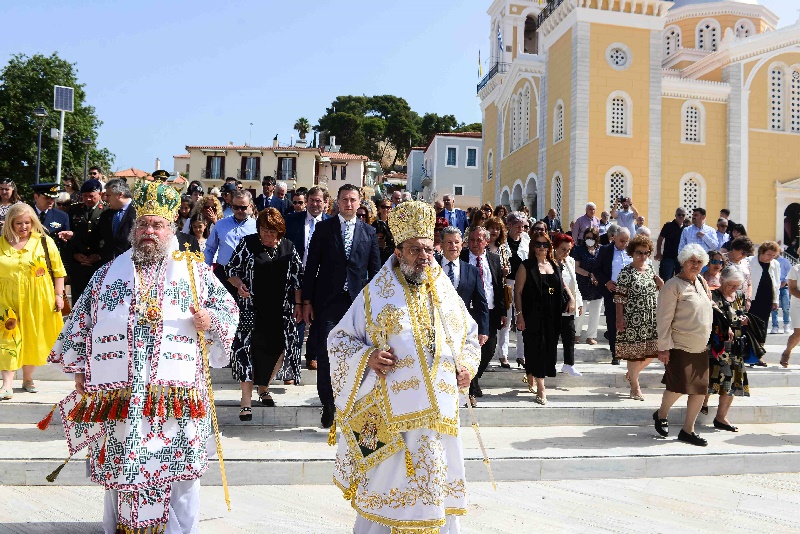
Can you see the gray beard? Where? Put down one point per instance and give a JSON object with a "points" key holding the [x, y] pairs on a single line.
{"points": [[409, 272], [148, 253]]}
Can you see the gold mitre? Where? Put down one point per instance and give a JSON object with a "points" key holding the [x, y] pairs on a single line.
{"points": [[412, 219], [156, 198]]}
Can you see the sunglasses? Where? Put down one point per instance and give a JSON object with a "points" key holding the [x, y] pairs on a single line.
{"points": [[240, 208], [386, 207], [296, 202], [361, 215], [539, 231], [715, 262], [541, 244]]}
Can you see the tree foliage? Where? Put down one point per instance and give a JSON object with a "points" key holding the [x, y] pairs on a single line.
{"points": [[303, 127], [383, 125], [25, 83]]}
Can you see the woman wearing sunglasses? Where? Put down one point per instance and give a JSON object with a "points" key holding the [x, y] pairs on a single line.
{"points": [[538, 294], [715, 264]]}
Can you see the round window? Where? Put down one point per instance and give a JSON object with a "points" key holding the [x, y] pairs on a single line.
{"points": [[618, 56]]}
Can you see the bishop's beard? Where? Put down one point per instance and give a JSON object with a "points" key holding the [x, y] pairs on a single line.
{"points": [[148, 248], [409, 270]]}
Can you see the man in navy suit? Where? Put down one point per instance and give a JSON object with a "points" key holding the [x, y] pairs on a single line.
{"points": [[55, 222], [116, 222], [465, 279], [454, 216], [342, 258], [268, 199], [300, 226], [610, 260], [490, 275]]}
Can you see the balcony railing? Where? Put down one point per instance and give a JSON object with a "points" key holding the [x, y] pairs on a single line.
{"points": [[498, 68], [547, 11]]}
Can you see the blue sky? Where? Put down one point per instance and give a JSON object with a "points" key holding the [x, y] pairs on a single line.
{"points": [[166, 74]]}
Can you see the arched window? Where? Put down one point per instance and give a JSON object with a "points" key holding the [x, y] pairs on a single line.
{"points": [[692, 191], [520, 122], [557, 192], [558, 122], [707, 34], [489, 166], [618, 114], [672, 40], [512, 110], [526, 114], [745, 28], [794, 100], [693, 119], [776, 82], [618, 184]]}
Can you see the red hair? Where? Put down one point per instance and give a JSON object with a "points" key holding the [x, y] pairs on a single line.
{"points": [[562, 238]]}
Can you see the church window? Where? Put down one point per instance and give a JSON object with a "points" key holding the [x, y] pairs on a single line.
{"points": [[618, 114], [618, 184], [617, 187], [557, 193], [526, 114], [672, 41], [558, 122], [489, 166], [617, 57], [745, 29], [707, 35], [692, 191], [693, 119], [794, 101], [776, 98], [514, 123]]}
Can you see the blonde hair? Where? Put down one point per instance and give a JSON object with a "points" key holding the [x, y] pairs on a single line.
{"points": [[200, 205], [15, 212]]}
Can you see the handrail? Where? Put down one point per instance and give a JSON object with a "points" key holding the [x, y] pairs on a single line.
{"points": [[498, 68]]}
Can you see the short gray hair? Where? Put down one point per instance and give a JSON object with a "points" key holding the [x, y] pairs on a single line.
{"points": [[119, 186], [612, 230], [515, 217], [484, 232], [643, 230], [450, 230], [281, 185], [731, 273], [693, 250], [591, 205], [622, 230], [242, 193]]}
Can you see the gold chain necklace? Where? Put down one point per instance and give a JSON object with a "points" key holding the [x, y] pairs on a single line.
{"points": [[419, 293], [147, 309]]}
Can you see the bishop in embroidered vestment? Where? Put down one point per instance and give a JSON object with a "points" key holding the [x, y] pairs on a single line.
{"points": [[141, 404], [399, 358]]}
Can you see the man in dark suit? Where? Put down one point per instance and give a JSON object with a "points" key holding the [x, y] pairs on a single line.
{"points": [[465, 279], [610, 260], [454, 216], [116, 222], [300, 226], [55, 222], [268, 199], [490, 275], [552, 221], [85, 245], [342, 258]]}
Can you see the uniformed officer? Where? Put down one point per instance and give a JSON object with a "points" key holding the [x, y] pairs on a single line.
{"points": [[54, 221], [86, 241]]}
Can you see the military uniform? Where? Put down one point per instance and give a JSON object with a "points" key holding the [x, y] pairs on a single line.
{"points": [[53, 220], [86, 240]]}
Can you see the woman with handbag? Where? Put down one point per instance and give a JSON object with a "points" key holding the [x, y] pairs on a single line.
{"points": [[31, 297], [563, 245]]}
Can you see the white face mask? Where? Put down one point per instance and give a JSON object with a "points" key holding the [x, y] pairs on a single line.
{"points": [[589, 242]]}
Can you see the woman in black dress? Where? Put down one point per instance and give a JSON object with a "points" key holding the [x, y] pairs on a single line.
{"points": [[265, 269], [538, 290], [765, 279]]}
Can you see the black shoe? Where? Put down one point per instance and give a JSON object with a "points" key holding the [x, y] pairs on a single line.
{"points": [[266, 399], [614, 361], [246, 414], [328, 412], [505, 365], [722, 426], [704, 410], [692, 439], [478, 391], [662, 425], [760, 363]]}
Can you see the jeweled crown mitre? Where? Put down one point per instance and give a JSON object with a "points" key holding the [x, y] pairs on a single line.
{"points": [[412, 219], [156, 198]]}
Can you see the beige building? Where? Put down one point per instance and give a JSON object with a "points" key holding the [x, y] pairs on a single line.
{"points": [[687, 103]]}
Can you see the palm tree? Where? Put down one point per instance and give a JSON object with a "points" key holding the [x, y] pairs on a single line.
{"points": [[302, 126]]}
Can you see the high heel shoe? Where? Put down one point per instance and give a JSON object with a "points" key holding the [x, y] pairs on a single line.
{"points": [[520, 362], [505, 364]]}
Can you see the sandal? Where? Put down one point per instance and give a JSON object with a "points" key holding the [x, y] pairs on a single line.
{"points": [[704, 410], [637, 396], [29, 386], [6, 394], [785, 360], [540, 400], [266, 399], [246, 413]]}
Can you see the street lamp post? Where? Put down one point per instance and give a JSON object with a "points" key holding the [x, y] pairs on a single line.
{"points": [[41, 115], [88, 142]]}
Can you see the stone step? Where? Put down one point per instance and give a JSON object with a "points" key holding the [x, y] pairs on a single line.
{"points": [[256, 454], [298, 406]]}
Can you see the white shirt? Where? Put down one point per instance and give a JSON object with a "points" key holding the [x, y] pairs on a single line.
{"points": [[456, 270], [308, 233], [348, 226], [620, 260], [488, 288]]}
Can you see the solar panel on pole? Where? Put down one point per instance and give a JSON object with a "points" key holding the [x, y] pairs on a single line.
{"points": [[63, 98]]}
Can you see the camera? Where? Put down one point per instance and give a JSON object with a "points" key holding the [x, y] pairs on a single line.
{"points": [[622, 199]]}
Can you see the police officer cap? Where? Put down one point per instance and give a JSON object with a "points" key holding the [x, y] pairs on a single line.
{"points": [[228, 188], [195, 187], [50, 190], [161, 174], [91, 186]]}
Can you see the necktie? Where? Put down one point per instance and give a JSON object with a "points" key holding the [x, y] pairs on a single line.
{"points": [[115, 222], [450, 273], [450, 218], [42, 215], [348, 238], [479, 263], [310, 231]]}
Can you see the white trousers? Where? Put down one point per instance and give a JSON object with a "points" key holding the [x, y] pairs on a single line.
{"points": [[365, 526], [501, 351], [590, 319], [184, 509]]}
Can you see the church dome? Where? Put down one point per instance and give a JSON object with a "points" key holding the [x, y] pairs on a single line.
{"points": [[683, 3]]}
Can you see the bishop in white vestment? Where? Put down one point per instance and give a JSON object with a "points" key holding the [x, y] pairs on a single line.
{"points": [[141, 404], [399, 358]]}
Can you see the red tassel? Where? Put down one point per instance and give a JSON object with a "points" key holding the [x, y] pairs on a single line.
{"points": [[125, 405], [176, 406], [98, 412], [162, 412], [102, 458], [148, 405], [192, 405], [76, 410], [44, 423], [87, 415], [112, 414]]}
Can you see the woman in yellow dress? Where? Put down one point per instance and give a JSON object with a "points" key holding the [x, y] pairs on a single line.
{"points": [[30, 298]]}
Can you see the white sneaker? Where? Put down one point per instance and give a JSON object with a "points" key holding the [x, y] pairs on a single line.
{"points": [[774, 330], [787, 329], [570, 370]]}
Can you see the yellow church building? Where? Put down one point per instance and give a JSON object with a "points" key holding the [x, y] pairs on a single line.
{"points": [[687, 103]]}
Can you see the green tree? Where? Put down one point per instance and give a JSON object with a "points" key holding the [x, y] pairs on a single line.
{"points": [[25, 83], [303, 127], [473, 127], [432, 124]]}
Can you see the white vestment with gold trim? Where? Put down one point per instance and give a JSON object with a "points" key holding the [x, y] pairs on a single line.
{"points": [[400, 460]]}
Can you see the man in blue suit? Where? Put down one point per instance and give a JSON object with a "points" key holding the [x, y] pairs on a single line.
{"points": [[465, 279], [55, 222], [300, 226], [454, 216], [268, 199], [342, 258]]}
